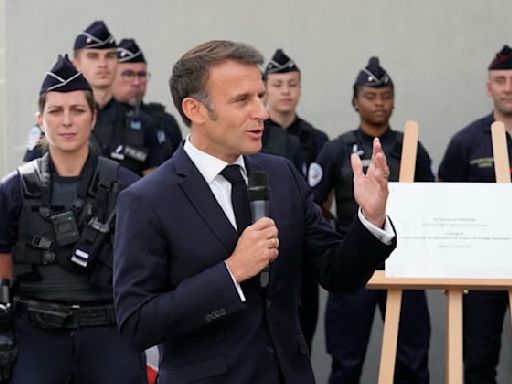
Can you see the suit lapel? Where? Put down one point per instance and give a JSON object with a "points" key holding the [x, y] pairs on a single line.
{"points": [[203, 200]]}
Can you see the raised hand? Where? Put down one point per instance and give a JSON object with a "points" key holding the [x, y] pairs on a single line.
{"points": [[371, 189]]}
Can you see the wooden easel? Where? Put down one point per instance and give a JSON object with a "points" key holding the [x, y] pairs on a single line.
{"points": [[453, 287]]}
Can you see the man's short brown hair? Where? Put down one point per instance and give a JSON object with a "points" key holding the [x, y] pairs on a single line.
{"points": [[190, 73]]}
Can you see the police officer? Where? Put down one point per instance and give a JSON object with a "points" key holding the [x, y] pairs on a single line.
{"points": [[282, 79], [118, 134], [277, 140], [283, 87], [56, 238], [349, 317], [130, 86], [469, 158]]}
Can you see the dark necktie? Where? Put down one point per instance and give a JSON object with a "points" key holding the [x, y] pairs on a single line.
{"points": [[239, 197]]}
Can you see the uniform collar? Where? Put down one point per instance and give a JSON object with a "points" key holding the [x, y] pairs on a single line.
{"points": [[385, 136], [488, 120]]}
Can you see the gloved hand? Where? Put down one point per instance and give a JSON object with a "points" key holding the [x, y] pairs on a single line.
{"points": [[8, 354]]}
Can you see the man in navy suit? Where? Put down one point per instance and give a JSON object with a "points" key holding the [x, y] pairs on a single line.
{"points": [[187, 269]]}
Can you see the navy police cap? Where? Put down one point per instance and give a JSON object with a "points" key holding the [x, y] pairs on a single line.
{"points": [[281, 63], [97, 36], [373, 75], [502, 59], [64, 77], [129, 52]]}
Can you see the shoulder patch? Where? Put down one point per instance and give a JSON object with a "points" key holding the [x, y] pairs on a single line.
{"points": [[160, 135], [315, 174]]}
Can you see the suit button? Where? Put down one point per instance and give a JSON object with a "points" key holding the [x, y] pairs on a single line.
{"points": [[268, 303], [271, 352]]}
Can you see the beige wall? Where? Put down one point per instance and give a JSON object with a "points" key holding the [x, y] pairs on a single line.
{"points": [[436, 51]]}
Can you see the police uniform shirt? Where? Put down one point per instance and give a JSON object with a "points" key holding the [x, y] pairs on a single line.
{"points": [[64, 190], [307, 134], [115, 113], [168, 131], [291, 149], [469, 156], [326, 172]]}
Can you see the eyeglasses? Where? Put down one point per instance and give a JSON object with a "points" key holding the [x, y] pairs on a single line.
{"points": [[129, 74]]}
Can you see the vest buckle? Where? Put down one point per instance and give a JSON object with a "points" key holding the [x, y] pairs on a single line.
{"points": [[41, 242], [97, 225]]}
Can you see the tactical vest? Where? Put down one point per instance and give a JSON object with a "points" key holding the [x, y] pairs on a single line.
{"points": [[346, 205], [163, 121], [127, 129], [305, 136], [276, 142], [79, 239]]}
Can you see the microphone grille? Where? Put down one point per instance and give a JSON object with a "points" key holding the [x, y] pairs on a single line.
{"points": [[258, 186]]}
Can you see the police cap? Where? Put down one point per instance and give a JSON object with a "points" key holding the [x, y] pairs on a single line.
{"points": [[373, 75], [280, 63], [97, 36], [64, 77], [502, 59], [129, 52]]}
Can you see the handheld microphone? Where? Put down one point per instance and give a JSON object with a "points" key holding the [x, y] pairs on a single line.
{"points": [[257, 191]]}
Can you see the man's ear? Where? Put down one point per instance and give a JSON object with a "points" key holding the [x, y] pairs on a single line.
{"points": [[355, 104], [76, 60], [194, 110], [489, 91]]}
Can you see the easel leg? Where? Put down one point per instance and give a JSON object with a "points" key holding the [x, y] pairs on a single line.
{"points": [[454, 338], [510, 302], [389, 340]]}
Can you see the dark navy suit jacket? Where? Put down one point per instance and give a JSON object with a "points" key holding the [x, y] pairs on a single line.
{"points": [[172, 288]]}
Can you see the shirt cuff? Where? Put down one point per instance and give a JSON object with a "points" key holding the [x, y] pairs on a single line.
{"points": [[385, 235], [237, 286]]}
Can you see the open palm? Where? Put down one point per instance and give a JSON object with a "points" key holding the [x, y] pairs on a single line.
{"points": [[371, 189]]}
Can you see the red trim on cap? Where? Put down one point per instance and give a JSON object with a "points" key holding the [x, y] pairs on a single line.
{"points": [[500, 59]]}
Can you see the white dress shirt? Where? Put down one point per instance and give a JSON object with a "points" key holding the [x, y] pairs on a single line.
{"points": [[210, 167]]}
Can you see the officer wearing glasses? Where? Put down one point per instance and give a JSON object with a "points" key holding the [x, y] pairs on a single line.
{"points": [[130, 86], [119, 134]]}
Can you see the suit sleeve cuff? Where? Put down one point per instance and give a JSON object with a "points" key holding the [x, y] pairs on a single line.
{"points": [[385, 235], [237, 286]]}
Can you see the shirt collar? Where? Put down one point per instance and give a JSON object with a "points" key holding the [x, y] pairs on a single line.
{"points": [[208, 165]]}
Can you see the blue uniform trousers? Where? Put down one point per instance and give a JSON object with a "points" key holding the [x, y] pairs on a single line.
{"points": [[348, 322], [79, 356], [483, 324]]}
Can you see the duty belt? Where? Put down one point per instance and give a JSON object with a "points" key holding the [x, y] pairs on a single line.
{"points": [[50, 315]]}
